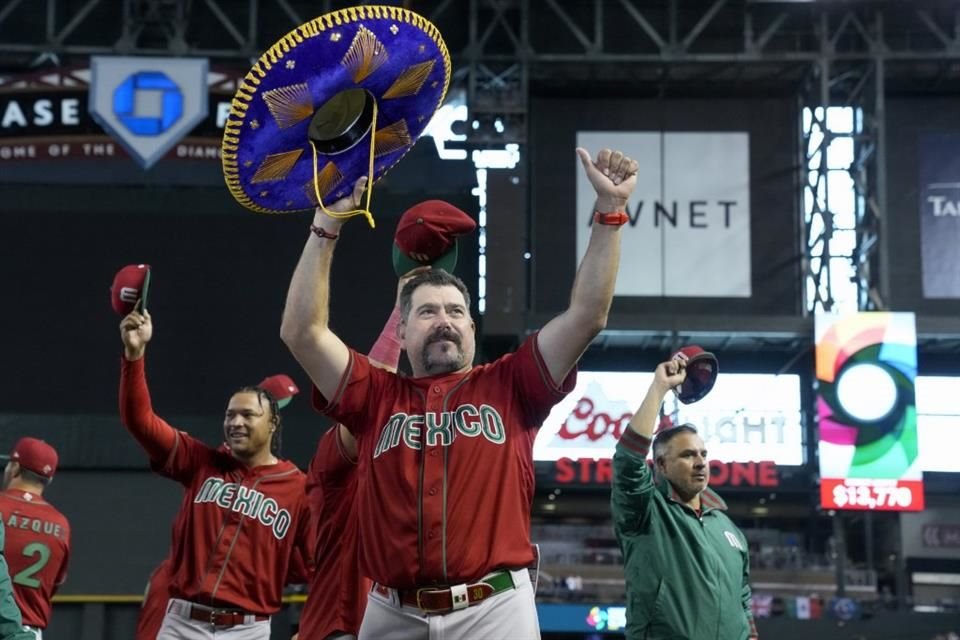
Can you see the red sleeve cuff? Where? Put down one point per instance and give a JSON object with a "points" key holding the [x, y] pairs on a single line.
{"points": [[635, 442], [558, 390], [326, 405]]}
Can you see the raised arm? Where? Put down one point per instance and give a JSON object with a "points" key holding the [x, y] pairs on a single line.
{"points": [[136, 410], [306, 316], [564, 339], [385, 353], [666, 376], [632, 479]]}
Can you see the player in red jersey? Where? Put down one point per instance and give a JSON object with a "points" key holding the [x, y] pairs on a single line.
{"points": [[338, 592], [244, 518], [157, 593], [38, 536], [448, 475]]}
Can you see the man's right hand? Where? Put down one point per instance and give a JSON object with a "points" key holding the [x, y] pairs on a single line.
{"points": [[671, 374], [136, 330]]}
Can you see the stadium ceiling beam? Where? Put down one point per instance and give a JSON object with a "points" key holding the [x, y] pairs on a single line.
{"points": [[598, 31]]}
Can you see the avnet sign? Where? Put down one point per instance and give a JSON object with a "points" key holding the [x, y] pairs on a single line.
{"points": [[746, 417], [689, 228]]}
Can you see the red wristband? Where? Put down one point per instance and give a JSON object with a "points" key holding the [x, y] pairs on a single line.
{"points": [[323, 233], [613, 219]]}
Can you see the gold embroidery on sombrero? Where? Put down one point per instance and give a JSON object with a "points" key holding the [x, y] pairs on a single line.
{"points": [[276, 166], [365, 55], [392, 137], [289, 105], [327, 179], [249, 86], [410, 81]]}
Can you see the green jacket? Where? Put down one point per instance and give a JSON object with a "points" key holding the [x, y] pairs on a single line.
{"points": [[11, 625], [688, 577]]}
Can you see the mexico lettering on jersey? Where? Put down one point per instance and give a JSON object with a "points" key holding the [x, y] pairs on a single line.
{"points": [[239, 528], [253, 504], [448, 475], [37, 550], [440, 429]]}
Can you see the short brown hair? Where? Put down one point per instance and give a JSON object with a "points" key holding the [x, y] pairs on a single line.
{"points": [[432, 278], [663, 438]]}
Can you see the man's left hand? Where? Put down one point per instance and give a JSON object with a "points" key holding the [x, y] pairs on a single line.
{"points": [[613, 176]]}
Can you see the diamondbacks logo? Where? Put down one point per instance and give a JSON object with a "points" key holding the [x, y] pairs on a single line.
{"points": [[148, 104], [441, 428], [248, 501]]}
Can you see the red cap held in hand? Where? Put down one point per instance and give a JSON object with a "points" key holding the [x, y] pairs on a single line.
{"points": [[129, 285], [427, 235], [702, 370]]}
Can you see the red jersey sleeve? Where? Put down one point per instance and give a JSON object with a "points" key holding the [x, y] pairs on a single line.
{"points": [[136, 412], [533, 382], [186, 458], [351, 402]]}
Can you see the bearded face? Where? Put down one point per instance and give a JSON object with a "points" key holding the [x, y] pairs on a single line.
{"points": [[438, 335]]}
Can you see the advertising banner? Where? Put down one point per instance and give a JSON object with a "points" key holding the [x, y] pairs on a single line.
{"points": [[144, 108], [689, 228], [939, 181], [866, 404], [745, 418]]}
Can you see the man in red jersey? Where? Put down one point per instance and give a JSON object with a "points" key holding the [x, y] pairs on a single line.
{"points": [[38, 536], [244, 514], [447, 454], [282, 389], [338, 593]]}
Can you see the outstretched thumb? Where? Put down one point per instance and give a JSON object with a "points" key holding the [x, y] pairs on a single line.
{"points": [[358, 188], [585, 159]]}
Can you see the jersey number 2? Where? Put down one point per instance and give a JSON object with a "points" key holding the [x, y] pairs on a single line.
{"points": [[25, 577]]}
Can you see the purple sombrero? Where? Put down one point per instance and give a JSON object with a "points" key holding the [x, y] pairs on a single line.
{"points": [[331, 81]]}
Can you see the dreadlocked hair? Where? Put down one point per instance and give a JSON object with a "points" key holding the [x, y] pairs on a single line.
{"points": [[264, 395]]}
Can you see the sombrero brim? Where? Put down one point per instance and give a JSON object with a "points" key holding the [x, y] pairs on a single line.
{"points": [[404, 264], [394, 54]]}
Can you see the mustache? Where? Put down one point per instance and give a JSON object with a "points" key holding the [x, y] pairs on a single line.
{"points": [[444, 334]]}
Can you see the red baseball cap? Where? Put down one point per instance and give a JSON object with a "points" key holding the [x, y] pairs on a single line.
{"points": [[35, 455], [130, 285], [427, 235], [702, 370], [281, 387]]}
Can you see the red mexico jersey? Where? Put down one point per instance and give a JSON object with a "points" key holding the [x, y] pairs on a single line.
{"points": [[240, 530], [338, 593], [235, 540], [37, 551], [448, 466]]}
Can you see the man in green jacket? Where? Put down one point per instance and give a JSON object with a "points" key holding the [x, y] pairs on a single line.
{"points": [[11, 625], [687, 565]]}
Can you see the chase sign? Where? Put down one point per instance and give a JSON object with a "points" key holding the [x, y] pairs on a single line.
{"points": [[148, 104]]}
